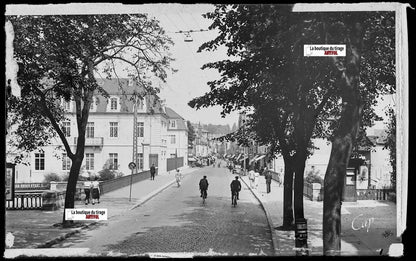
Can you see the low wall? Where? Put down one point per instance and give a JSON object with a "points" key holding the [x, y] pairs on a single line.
{"points": [[61, 187], [113, 184], [53, 200], [174, 163], [374, 194]]}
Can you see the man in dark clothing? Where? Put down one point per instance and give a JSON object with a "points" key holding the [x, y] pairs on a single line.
{"points": [[203, 186], [152, 172], [235, 187], [268, 177]]}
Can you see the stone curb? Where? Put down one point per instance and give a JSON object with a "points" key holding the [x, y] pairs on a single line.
{"points": [[77, 230], [275, 240], [65, 236]]}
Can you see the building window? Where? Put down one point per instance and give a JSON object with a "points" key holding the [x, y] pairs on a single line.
{"points": [[140, 129], [140, 160], [66, 128], [113, 104], [66, 162], [89, 161], [113, 129], [173, 124], [140, 104], [39, 161], [90, 130], [172, 155], [114, 161], [172, 139]]}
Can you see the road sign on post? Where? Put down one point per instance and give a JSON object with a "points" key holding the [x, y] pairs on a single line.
{"points": [[132, 165]]}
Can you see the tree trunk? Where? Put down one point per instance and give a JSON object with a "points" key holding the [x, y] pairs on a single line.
{"points": [[344, 138], [334, 183], [71, 187], [287, 194], [298, 185]]}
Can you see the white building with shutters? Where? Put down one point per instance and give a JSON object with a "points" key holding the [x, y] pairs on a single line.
{"points": [[109, 136]]}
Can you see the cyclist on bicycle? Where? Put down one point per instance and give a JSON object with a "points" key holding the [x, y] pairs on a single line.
{"points": [[235, 187], [203, 186]]}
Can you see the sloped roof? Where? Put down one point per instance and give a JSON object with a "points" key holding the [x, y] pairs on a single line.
{"points": [[180, 121], [120, 88], [172, 114]]}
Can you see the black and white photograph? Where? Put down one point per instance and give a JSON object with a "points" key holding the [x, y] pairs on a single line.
{"points": [[172, 130]]}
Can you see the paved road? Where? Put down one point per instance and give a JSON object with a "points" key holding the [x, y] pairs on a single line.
{"points": [[176, 221]]}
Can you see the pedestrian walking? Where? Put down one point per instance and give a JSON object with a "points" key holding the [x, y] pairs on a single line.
{"points": [[95, 191], [268, 177], [251, 177], [256, 179], [87, 190], [152, 172], [178, 177]]}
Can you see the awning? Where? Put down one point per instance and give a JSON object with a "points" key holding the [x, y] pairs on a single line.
{"points": [[253, 159], [259, 158], [239, 156]]}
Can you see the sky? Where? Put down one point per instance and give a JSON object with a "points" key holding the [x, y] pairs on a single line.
{"points": [[189, 81]]}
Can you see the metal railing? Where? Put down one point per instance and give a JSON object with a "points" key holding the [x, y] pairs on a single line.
{"points": [[95, 141]]}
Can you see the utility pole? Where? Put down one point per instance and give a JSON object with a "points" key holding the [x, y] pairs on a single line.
{"points": [[134, 140]]}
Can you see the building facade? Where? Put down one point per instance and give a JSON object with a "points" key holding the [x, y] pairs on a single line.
{"points": [[109, 135], [177, 136]]}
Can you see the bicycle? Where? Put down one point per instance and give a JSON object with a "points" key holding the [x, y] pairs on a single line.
{"points": [[204, 196], [234, 199]]}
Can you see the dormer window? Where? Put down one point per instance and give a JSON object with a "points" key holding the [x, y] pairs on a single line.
{"points": [[113, 104], [173, 124], [140, 104]]}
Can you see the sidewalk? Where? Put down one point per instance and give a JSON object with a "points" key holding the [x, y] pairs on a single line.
{"points": [[368, 227], [40, 229]]}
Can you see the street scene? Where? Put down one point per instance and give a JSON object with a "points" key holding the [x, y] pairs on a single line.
{"points": [[188, 130]]}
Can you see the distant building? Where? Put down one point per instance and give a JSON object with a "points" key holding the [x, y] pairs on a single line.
{"points": [[177, 143], [375, 156], [109, 135]]}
